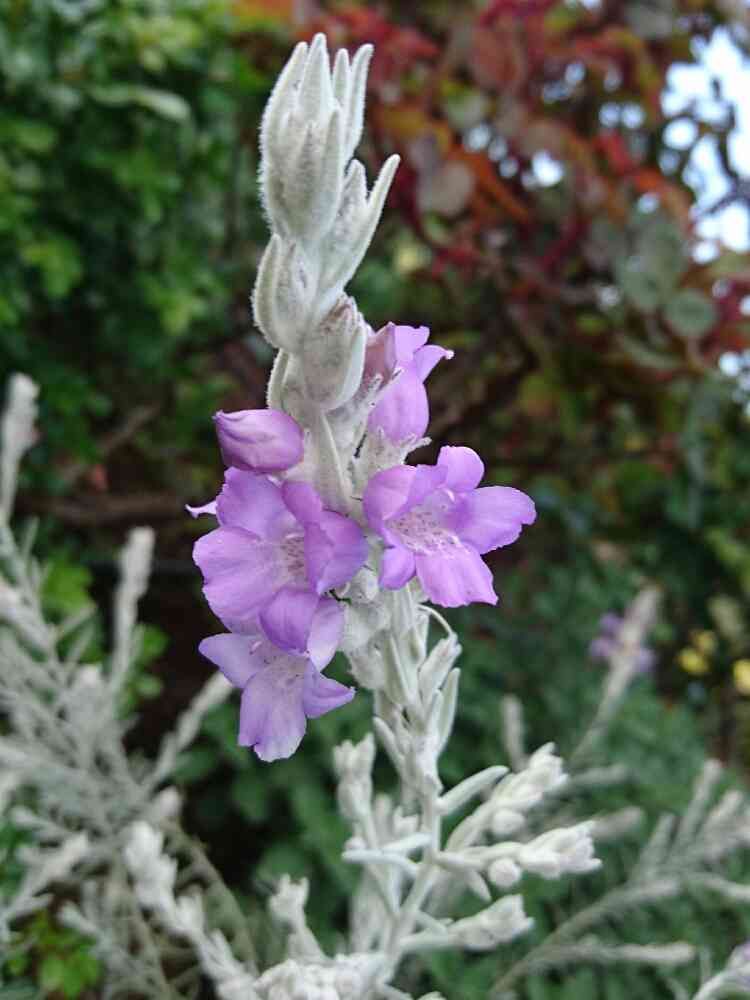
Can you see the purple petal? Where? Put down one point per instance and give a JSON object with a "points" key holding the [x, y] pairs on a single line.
{"points": [[464, 468], [302, 501], [645, 660], [241, 573], [255, 503], [492, 516], [610, 623], [298, 621], [335, 549], [427, 479], [380, 353], [386, 493], [207, 508], [455, 578], [325, 632], [259, 440], [321, 694], [426, 358], [397, 568], [407, 341], [272, 719], [402, 410], [233, 655], [602, 648], [287, 618], [396, 491]]}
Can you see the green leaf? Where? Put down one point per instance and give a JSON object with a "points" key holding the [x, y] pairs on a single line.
{"points": [[52, 972], [66, 587], [249, 794], [59, 261], [196, 764], [641, 287], [690, 313], [664, 250], [161, 102], [645, 355], [32, 136]]}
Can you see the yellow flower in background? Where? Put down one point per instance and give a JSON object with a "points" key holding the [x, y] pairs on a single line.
{"points": [[741, 671], [692, 662], [704, 641]]}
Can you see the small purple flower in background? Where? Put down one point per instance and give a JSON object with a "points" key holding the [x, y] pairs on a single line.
{"points": [[609, 642], [402, 411], [280, 690], [259, 440], [604, 645], [275, 553], [437, 524]]}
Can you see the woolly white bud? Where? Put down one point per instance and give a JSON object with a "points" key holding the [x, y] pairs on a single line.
{"points": [[504, 873], [287, 905], [567, 851], [505, 822], [543, 774], [333, 355], [353, 763], [501, 922], [283, 294], [16, 435], [311, 125], [154, 873]]}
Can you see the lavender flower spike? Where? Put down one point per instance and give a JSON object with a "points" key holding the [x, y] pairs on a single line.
{"points": [[437, 524], [280, 691], [275, 553], [259, 440], [402, 412]]}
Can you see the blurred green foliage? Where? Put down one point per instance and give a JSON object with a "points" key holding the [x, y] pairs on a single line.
{"points": [[57, 959], [125, 198]]}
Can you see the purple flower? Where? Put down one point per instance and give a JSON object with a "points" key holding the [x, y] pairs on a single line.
{"points": [[280, 690], [275, 553], [609, 642], [435, 523], [402, 411], [259, 440]]}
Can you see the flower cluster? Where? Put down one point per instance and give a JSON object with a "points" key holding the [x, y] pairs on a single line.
{"points": [[319, 517], [273, 566]]}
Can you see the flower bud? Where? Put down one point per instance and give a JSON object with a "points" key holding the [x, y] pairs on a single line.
{"points": [[259, 440], [288, 903], [353, 763], [501, 922], [568, 851], [506, 822], [543, 774], [333, 355], [283, 294], [504, 873]]}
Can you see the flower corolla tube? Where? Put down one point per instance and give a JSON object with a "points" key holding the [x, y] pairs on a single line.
{"points": [[403, 359]]}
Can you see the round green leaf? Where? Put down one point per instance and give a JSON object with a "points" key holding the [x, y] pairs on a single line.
{"points": [[690, 313], [640, 286]]}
